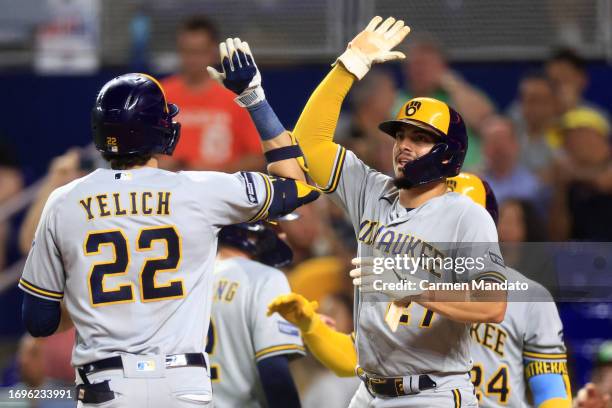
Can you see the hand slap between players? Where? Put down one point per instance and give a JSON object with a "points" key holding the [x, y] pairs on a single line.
{"points": [[374, 45], [239, 72]]}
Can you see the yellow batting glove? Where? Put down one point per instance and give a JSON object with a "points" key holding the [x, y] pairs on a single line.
{"points": [[296, 309]]}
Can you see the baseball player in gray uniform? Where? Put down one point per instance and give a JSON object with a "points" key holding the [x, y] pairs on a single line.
{"points": [[130, 252], [524, 351], [249, 351], [426, 362]]}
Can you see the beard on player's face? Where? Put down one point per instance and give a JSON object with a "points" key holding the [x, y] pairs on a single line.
{"points": [[410, 144]]}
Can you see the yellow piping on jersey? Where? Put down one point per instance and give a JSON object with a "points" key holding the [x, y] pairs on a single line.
{"points": [[336, 172], [457, 398], [40, 291], [491, 274], [275, 349], [264, 209], [559, 356]]}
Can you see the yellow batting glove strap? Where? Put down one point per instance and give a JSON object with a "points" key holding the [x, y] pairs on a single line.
{"points": [[333, 349]]}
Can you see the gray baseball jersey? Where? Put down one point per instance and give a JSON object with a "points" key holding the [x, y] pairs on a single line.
{"points": [[132, 253], [241, 334], [528, 342], [424, 342]]}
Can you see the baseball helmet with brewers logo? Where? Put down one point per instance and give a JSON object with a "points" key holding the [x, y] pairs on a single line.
{"points": [[131, 116], [446, 156], [478, 190]]}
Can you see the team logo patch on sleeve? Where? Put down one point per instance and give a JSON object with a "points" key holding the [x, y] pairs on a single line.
{"points": [[496, 259], [251, 192], [288, 328]]}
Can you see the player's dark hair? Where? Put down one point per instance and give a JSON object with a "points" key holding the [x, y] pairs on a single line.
{"points": [[569, 56], [200, 23], [127, 161]]}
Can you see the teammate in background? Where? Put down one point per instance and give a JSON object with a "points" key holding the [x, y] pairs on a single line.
{"points": [[508, 356], [216, 134], [131, 250], [518, 353], [429, 360], [249, 351]]}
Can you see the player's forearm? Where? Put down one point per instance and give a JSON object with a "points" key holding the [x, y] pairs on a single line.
{"points": [[277, 382], [474, 309], [289, 168], [65, 321], [333, 349], [317, 123], [274, 138]]}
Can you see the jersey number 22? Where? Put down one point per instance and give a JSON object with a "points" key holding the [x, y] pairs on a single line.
{"points": [[150, 291]]}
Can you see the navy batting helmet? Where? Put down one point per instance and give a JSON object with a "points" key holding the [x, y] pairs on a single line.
{"points": [[446, 157], [131, 116], [260, 241]]}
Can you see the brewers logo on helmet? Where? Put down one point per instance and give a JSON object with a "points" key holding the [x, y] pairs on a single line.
{"points": [[446, 156]]}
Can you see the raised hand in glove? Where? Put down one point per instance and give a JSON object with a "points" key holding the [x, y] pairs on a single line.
{"points": [[374, 45], [296, 309], [239, 72]]}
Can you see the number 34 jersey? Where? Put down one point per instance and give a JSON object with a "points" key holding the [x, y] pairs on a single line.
{"points": [[132, 252], [527, 343]]}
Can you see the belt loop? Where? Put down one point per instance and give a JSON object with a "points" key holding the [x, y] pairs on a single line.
{"points": [[411, 384], [83, 376]]}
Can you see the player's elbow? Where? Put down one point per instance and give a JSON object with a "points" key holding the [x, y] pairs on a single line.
{"points": [[495, 312]]}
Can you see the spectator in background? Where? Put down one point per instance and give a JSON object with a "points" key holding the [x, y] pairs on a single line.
{"points": [[567, 71], [519, 222], [583, 179], [506, 175], [372, 101], [598, 393], [11, 183], [536, 116], [428, 74], [63, 169], [31, 367], [216, 133]]}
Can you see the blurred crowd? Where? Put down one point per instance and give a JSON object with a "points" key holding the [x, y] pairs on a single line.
{"points": [[547, 157]]}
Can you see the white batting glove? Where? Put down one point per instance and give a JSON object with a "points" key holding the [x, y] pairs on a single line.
{"points": [[239, 72], [374, 45], [375, 279]]}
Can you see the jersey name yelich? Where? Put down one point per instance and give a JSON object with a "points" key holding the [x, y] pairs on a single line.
{"points": [[131, 203]]}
